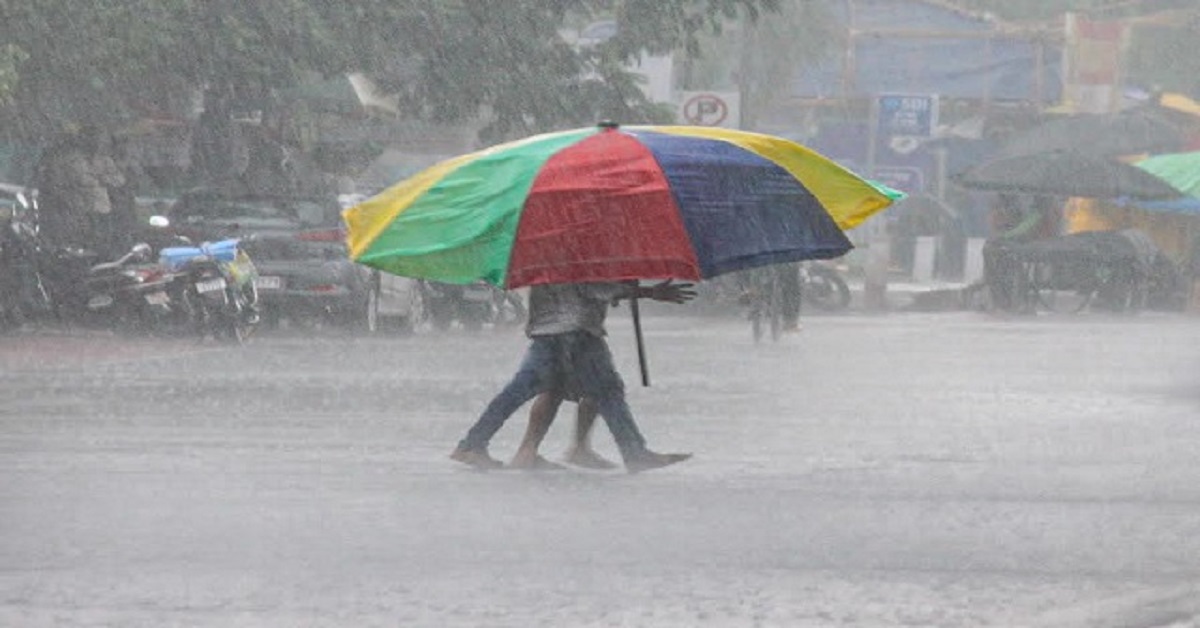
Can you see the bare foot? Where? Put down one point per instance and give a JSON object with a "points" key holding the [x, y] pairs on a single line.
{"points": [[648, 460], [535, 463], [475, 458], [588, 459]]}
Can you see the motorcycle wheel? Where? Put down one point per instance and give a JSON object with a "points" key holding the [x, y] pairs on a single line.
{"points": [[238, 333], [204, 314], [825, 290], [230, 328], [241, 319]]}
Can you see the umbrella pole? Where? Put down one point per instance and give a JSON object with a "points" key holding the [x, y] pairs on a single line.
{"points": [[641, 344]]}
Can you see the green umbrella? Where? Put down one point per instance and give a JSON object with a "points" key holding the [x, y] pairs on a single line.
{"points": [[1181, 170]]}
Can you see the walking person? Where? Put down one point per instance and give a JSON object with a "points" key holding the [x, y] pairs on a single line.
{"points": [[568, 351], [790, 292]]}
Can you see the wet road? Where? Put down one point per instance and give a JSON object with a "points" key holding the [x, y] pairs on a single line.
{"points": [[903, 470]]}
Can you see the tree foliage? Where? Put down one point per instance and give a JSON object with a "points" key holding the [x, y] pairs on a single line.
{"points": [[105, 61]]}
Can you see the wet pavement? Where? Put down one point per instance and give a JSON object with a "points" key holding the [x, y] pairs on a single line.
{"points": [[897, 470]]}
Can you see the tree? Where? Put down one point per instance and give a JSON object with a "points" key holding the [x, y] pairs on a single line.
{"points": [[762, 56], [106, 61]]}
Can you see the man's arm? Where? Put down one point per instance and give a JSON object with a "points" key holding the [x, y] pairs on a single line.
{"points": [[1028, 223]]}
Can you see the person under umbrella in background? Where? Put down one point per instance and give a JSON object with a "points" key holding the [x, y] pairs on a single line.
{"points": [[568, 352], [1015, 221]]}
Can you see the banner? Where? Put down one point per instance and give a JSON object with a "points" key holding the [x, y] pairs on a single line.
{"points": [[1093, 63]]}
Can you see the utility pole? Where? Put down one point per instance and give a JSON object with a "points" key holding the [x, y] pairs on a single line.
{"points": [[878, 249], [746, 74]]}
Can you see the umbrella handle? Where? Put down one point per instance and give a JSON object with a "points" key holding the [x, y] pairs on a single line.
{"points": [[641, 344]]}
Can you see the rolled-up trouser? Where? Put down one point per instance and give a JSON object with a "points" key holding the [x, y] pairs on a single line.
{"points": [[574, 361]]}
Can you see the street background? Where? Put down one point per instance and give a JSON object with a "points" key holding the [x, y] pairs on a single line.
{"points": [[950, 469]]}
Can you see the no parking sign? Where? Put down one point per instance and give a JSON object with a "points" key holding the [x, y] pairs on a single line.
{"points": [[714, 109]]}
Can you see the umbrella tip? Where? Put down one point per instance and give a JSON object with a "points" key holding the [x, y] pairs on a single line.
{"points": [[607, 124]]}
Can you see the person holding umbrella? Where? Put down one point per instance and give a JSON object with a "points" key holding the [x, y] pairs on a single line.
{"points": [[1015, 221], [568, 352], [570, 212]]}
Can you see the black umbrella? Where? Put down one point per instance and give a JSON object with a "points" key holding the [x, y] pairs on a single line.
{"points": [[1067, 173], [1139, 130]]}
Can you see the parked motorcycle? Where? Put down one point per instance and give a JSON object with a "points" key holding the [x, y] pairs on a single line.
{"points": [[823, 287], [217, 288], [23, 293], [129, 294]]}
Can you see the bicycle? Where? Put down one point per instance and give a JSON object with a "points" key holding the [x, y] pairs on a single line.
{"points": [[1054, 288], [1083, 272]]}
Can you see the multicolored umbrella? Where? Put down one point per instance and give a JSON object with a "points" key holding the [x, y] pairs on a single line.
{"points": [[611, 203]]}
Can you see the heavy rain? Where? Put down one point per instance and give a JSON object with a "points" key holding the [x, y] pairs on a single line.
{"points": [[902, 298]]}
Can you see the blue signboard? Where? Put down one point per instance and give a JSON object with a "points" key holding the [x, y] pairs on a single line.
{"points": [[908, 179], [907, 115]]}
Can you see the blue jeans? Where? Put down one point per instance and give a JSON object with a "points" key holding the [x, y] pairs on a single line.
{"points": [[575, 361]]}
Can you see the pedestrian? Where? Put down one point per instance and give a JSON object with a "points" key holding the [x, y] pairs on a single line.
{"points": [[83, 174], [568, 351], [63, 219], [1015, 221], [790, 294], [541, 416], [123, 193]]}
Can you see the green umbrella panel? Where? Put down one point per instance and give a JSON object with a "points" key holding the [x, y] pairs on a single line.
{"points": [[1181, 170]]}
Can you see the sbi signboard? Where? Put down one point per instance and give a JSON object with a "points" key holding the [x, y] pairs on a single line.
{"points": [[907, 115]]}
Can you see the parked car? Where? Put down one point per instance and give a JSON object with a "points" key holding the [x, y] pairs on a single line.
{"points": [[401, 304], [305, 274]]}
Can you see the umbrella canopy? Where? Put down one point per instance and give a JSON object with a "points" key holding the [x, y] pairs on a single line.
{"points": [[1181, 170], [1128, 132], [612, 203], [1067, 173]]}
